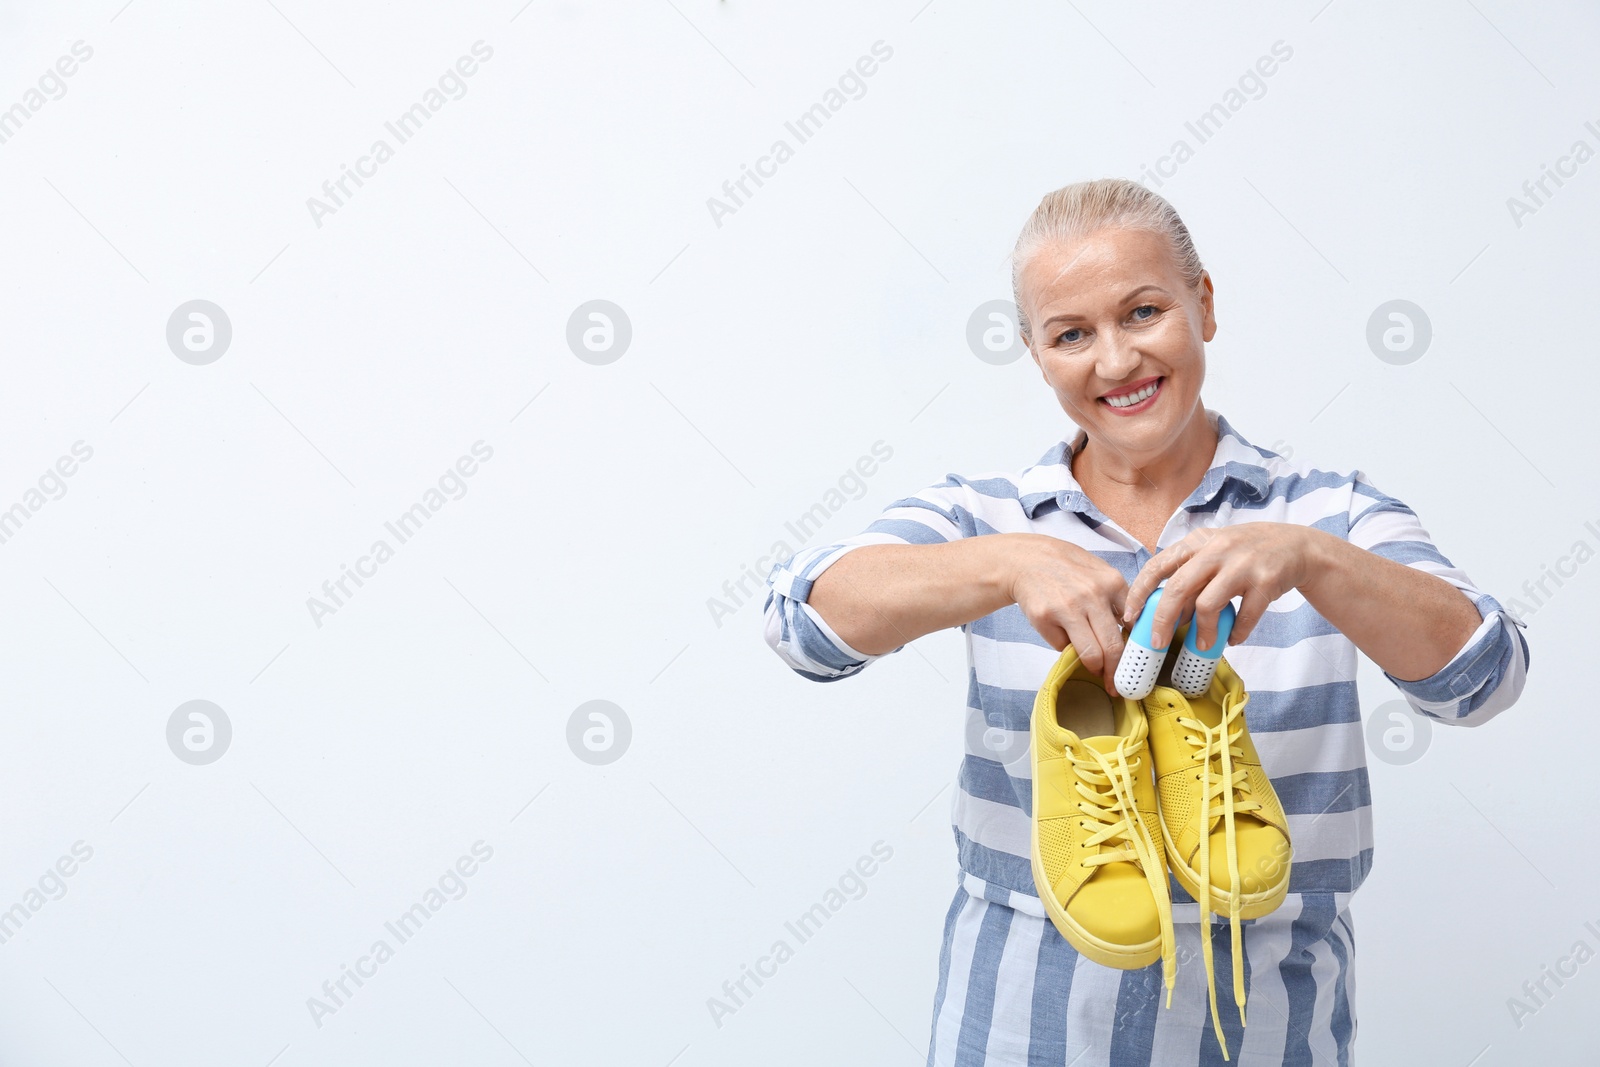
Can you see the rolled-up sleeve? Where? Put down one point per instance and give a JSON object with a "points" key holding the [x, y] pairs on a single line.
{"points": [[1486, 675], [793, 628]]}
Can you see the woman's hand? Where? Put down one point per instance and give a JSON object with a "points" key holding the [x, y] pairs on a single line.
{"points": [[1259, 561], [1070, 595]]}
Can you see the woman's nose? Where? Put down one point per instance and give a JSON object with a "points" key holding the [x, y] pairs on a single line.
{"points": [[1118, 359]]}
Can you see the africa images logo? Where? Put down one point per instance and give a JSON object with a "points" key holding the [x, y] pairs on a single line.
{"points": [[336, 192]]}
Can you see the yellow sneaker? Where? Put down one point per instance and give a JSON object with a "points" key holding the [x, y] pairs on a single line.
{"points": [[1097, 860], [1208, 773]]}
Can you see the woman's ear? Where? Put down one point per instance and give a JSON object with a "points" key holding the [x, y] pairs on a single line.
{"points": [[1208, 309]]}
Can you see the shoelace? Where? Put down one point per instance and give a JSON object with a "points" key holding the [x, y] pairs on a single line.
{"points": [[1219, 745], [1111, 803]]}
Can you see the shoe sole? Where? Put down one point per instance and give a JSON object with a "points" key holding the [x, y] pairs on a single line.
{"points": [[1105, 953], [1252, 905]]}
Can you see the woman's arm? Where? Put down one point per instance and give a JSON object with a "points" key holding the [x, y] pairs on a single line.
{"points": [[1409, 623], [880, 597], [877, 598]]}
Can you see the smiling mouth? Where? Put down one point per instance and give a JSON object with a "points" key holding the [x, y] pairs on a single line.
{"points": [[1134, 399]]}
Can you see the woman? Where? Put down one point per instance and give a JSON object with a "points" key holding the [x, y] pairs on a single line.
{"points": [[1154, 486]]}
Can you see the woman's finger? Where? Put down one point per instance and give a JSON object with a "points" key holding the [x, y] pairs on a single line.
{"points": [[1091, 653], [1157, 569], [1177, 602], [1054, 634], [1108, 633], [1251, 611], [1208, 605]]}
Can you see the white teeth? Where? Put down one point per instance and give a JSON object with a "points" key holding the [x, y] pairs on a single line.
{"points": [[1133, 398]]}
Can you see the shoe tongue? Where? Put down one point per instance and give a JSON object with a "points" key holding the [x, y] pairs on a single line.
{"points": [[1106, 743], [1201, 707], [1159, 697]]}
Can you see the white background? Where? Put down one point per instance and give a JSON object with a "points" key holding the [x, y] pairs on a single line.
{"points": [[768, 354]]}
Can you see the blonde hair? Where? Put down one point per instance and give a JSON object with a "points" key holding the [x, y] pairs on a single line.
{"points": [[1077, 210]]}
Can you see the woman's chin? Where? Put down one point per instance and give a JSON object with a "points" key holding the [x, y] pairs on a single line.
{"points": [[1153, 430]]}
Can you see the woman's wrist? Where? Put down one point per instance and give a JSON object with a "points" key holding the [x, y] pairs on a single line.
{"points": [[1010, 555], [1016, 554], [1321, 561]]}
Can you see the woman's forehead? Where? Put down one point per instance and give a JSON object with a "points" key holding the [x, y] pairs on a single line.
{"points": [[1116, 260]]}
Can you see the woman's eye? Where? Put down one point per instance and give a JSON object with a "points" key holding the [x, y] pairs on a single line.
{"points": [[1144, 307], [1068, 338]]}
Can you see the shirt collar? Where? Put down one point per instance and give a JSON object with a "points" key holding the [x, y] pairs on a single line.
{"points": [[1236, 463]]}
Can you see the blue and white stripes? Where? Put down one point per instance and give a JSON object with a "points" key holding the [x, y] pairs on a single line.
{"points": [[1011, 991], [1304, 715]]}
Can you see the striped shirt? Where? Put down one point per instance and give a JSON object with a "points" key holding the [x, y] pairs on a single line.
{"points": [[1304, 715]]}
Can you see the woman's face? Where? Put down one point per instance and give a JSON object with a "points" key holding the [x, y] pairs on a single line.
{"points": [[1111, 320]]}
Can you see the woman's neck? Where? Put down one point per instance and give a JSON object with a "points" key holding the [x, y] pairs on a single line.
{"points": [[1165, 479]]}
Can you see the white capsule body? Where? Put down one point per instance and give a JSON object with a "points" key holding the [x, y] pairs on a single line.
{"points": [[1194, 668], [1137, 670], [1141, 662]]}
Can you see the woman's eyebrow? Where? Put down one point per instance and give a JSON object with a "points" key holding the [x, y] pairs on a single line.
{"points": [[1069, 316], [1142, 289]]}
